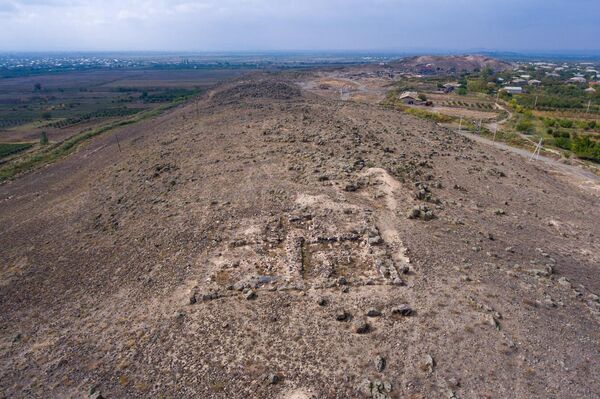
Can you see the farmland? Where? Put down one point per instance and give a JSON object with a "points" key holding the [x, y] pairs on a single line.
{"points": [[69, 107]]}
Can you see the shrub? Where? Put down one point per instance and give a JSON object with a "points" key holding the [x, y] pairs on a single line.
{"points": [[584, 147], [525, 125], [567, 124], [562, 142]]}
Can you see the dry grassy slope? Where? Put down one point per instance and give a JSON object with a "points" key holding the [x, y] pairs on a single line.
{"points": [[102, 252]]}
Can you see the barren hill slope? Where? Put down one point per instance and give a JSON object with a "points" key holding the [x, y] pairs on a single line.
{"points": [[268, 243], [434, 64]]}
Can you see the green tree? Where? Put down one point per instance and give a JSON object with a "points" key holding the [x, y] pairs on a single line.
{"points": [[44, 138]]}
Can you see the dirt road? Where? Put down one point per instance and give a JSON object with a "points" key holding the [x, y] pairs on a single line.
{"points": [[573, 170]]}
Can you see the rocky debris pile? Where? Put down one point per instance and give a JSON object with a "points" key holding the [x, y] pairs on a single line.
{"points": [[376, 389], [262, 89], [421, 212]]}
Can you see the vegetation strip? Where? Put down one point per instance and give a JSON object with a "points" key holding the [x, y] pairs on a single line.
{"points": [[51, 153]]}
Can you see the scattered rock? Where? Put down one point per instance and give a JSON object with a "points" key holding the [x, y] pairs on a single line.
{"points": [[564, 282], [272, 379], [403, 310], [453, 382], [249, 294], [428, 364], [376, 240], [492, 321], [546, 272], [94, 393], [373, 312], [362, 327], [380, 363], [351, 187], [376, 389], [421, 212], [322, 302], [342, 315]]}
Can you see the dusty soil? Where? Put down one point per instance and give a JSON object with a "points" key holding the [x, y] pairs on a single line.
{"points": [[257, 244], [346, 85], [462, 112]]}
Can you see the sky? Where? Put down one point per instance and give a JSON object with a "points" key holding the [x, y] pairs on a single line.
{"points": [[254, 25]]}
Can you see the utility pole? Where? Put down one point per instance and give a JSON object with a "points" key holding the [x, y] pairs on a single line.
{"points": [[536, 152], [588, 107], [118, 143], [495, 131], [535, 104], [460, 125]]}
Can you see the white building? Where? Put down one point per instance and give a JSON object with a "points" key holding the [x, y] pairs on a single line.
{"points": [[577, 79], [513, 89]]}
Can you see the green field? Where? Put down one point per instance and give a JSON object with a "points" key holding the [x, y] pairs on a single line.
{"points": [[7, 149]]}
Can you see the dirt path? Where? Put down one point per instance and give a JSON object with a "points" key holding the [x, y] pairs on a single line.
{"points": [[493, 126]]}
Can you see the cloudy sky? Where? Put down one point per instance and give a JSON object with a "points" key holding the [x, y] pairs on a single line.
{"points": [[233, 25]]}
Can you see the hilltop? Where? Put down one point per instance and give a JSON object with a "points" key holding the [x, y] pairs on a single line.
{"points": [[262, 241], [452, 64]]}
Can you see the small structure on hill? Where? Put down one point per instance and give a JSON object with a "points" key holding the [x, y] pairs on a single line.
{"points": [[450, 87], [409, 97]]}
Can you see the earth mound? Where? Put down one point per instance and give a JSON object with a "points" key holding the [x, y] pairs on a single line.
{"points": [[268, 248], [265, 89]]}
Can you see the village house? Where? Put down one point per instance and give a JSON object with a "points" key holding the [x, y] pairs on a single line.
{"points": [[513, 89], [450, 87], [577, 79], [409, 97], [518, 82]]}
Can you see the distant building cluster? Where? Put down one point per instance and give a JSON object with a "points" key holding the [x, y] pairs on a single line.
{"points": [[576, 73]]}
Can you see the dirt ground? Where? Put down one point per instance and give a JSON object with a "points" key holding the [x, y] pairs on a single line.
{"points": [[267, 242]]}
